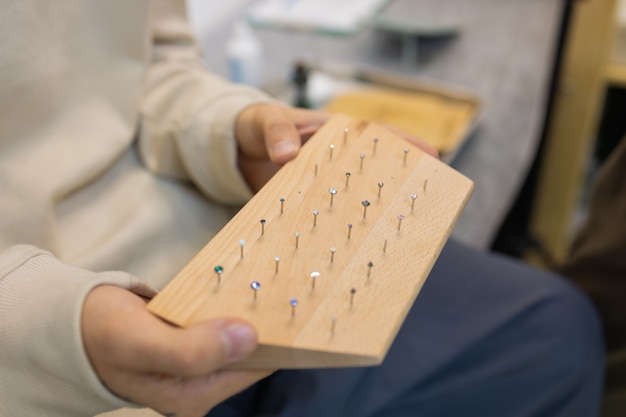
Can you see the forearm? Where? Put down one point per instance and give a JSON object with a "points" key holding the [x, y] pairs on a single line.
{"points": [[188, 115]]}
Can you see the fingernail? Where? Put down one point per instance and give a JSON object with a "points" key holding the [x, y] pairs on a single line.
{"points": [[282, 149], [239, 339]]}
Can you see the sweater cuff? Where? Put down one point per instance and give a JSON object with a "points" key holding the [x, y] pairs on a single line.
{"points": [[212, 156], [45, 368]]}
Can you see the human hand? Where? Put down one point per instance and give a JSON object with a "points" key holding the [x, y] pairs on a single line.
{"points": [[146, 361], [270, 134]]}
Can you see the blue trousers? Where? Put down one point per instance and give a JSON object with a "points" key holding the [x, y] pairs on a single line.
{"points": [[487, 336]]}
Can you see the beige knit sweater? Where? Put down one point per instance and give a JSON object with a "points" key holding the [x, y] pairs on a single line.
{"points": [[116, 154]]}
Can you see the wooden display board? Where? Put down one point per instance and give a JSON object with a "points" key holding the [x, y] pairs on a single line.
{"points": [[327, 259]]}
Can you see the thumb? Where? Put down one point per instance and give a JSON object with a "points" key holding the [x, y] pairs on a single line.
{"points": [[208, 346], [238, 340], [185, 352], [267, 129], [282, 139]]}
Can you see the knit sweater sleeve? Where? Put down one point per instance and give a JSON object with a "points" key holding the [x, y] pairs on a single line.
{"points": [[45, 370], [187, 114]]}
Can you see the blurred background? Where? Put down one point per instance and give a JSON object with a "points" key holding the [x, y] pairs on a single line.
{"points": [[535, 76], [525, 97]]}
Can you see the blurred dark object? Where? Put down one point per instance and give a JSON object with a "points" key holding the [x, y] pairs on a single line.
{"points": [[300, 79], [613, 124]]}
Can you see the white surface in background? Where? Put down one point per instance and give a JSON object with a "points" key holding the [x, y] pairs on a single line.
{"points": [[331, 15], [205, 15]]}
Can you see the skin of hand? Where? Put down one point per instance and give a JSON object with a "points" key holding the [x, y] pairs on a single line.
{"points": [[172, 370], [271, 134]]}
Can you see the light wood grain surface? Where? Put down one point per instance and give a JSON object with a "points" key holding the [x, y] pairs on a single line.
{"points": [[385, 256]]}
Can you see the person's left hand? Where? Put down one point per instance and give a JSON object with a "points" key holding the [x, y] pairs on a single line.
{"points": [[144, 360], [269, 135]]}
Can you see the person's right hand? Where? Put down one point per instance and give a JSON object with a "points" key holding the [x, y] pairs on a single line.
{"points": [[175, 371]]}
